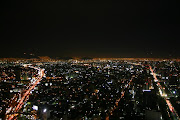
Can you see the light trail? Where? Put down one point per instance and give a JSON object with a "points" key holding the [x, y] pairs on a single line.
{"points": [[25, 97], [171, 108]]}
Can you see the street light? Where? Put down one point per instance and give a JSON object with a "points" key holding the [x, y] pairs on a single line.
{"points": [[44, 110]]}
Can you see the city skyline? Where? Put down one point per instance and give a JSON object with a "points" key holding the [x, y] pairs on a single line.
{"points": [[102, 89], [90, 60]]}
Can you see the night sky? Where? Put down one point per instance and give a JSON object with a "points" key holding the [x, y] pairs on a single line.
{"points": [[137, 28]]}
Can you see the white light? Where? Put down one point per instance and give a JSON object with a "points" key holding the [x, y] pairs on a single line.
{"points": [[35, 107], [72, 106], [44, 110], [146, 90], [155, 80], [160, 92]]}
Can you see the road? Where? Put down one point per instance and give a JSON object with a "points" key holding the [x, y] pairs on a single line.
{"points": [[164, 95], [19, 102], [118, 100]]}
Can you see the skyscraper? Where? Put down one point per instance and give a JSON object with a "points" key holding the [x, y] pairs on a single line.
{"points": [[18, 73]]}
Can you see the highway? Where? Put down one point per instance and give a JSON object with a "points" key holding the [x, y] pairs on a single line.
{"points": [[12, 112], [164, 95]]}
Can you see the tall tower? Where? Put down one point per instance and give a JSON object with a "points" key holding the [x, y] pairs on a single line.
{"points": [[18, 73]]}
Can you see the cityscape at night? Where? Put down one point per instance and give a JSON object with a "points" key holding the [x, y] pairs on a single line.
{"points": [[90, 89], [90, 60]]}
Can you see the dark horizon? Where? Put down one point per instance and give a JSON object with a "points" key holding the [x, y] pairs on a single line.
{"points": [[85, 57], [90, 28]]}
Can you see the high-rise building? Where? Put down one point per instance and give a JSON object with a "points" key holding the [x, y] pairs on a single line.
{"points": [[18, 73]]}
